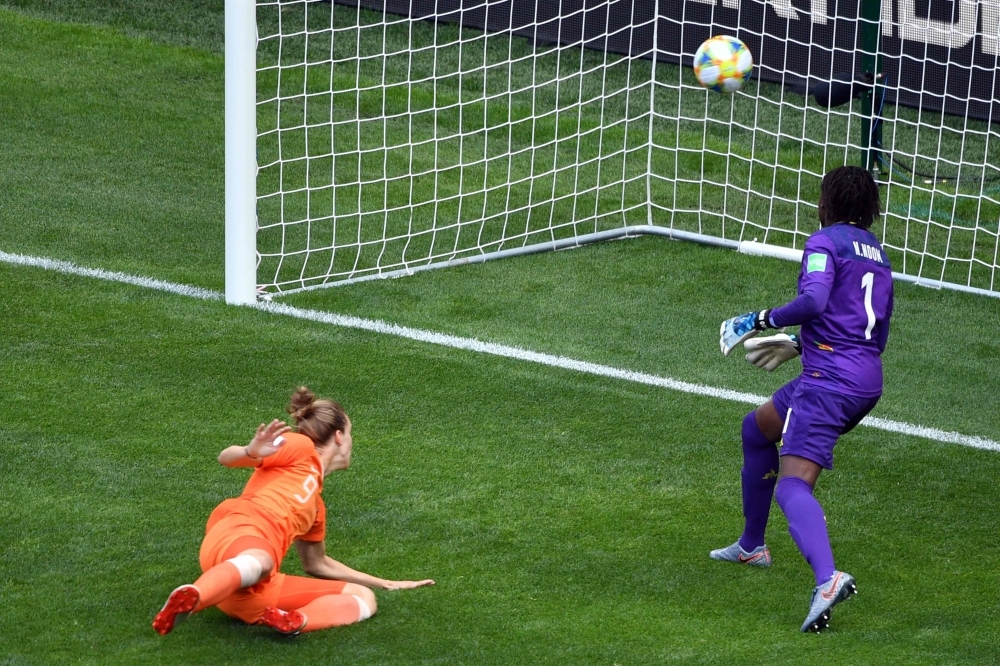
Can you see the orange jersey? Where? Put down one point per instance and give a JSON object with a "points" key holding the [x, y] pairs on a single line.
{"points": [[282, 498]]}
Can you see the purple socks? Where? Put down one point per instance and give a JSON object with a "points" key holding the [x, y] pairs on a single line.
{"points": [[806, 521], [807, 525], [760, 472]]}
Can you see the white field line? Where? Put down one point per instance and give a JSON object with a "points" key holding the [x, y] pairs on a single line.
{"points": [[101, 274], [471, 344]]}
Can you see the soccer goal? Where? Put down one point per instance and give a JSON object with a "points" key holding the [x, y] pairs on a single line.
{"points": [[383, 137]]}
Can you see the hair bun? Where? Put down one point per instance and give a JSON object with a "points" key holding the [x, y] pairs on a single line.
{"points": [[319, 420], [301, 404]]}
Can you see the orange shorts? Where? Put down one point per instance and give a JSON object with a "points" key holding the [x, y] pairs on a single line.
{"points": [[225, 534], [224, 529]]}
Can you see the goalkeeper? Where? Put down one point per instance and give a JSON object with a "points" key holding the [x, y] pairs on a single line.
{"points": [[843, 305]]}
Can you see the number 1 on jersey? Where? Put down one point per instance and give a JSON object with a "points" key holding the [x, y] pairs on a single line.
{"points": [[868, 284]]}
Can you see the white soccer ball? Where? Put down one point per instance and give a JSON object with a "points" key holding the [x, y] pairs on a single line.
{"points": [[722, 64]]}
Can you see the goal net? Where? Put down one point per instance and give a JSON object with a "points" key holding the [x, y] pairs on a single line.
{"points": [[405, 134]]}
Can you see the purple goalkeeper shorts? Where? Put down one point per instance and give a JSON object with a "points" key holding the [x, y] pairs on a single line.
{"points": [[815, 417]]}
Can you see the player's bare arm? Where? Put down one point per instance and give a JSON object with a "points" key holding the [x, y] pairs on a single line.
{"points": [[317, 563], [265, 443]]}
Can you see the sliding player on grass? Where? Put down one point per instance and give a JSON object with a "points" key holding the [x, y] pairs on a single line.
{"points": [[844, 305], [247, 537]]}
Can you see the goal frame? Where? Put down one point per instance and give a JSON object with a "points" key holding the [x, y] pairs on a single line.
{"points": [[241, 170], [241, 157]]}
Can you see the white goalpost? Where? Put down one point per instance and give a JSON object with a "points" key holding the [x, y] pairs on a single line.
{"points": [[241, 158], [378, 138]]}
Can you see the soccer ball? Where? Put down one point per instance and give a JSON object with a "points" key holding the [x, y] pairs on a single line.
{"points": [[722, 64]]}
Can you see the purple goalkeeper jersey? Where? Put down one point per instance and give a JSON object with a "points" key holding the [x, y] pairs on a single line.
{"points": [[844, 306]]}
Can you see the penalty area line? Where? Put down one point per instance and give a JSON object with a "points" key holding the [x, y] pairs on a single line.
{"points": [[471, 344]]}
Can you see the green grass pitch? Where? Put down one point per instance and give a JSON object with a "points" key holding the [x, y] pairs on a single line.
{"points": [[565, 517]]}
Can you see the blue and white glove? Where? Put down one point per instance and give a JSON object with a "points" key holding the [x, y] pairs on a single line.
{"points": [[772, 351], [736, 330]]}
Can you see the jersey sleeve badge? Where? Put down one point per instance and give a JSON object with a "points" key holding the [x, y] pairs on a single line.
{"points": [[816, 263]]}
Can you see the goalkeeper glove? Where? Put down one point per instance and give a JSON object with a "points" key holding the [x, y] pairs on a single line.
{"points": [[736, 330], [772, 351]]}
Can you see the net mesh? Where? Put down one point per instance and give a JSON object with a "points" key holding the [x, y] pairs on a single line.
{"points": [[387, 142]]}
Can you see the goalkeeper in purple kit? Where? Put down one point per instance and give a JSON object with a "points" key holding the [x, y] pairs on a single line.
{"points": [[843, 305]]}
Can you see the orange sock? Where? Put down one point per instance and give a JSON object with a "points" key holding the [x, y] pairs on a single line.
{"points": [[333, 610], [216, 584]]}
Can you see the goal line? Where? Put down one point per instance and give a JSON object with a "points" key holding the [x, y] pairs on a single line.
{"points": [[478, 346]]}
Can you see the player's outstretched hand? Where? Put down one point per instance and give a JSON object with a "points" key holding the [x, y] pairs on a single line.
{"points": [[406, 584], [268, 439], [736, 330], [772, 351]]}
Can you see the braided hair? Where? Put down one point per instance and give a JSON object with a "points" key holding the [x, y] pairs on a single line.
{"points": [[318, 420], [851, 195]]}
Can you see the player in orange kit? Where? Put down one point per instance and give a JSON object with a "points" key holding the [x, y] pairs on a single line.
{"points": [[247, 537]]}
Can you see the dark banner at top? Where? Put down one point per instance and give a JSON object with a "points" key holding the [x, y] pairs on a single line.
{"points": [[936, 54]]}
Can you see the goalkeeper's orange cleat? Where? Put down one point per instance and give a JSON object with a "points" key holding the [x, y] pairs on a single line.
{"points": [[180, 604], [286, 622]]}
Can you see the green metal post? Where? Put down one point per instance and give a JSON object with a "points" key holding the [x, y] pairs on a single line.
{"points": [[870, 14]]}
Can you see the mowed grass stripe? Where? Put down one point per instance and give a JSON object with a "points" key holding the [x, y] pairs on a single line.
{"points": [[566, 518], [478, 346]]}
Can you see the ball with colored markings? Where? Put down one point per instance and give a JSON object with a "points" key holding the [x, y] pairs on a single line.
{"points": [[723, 64]]}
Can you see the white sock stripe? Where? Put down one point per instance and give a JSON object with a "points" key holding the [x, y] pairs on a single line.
{"points": [[249, 568], [366, 612], [471, 344]]}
